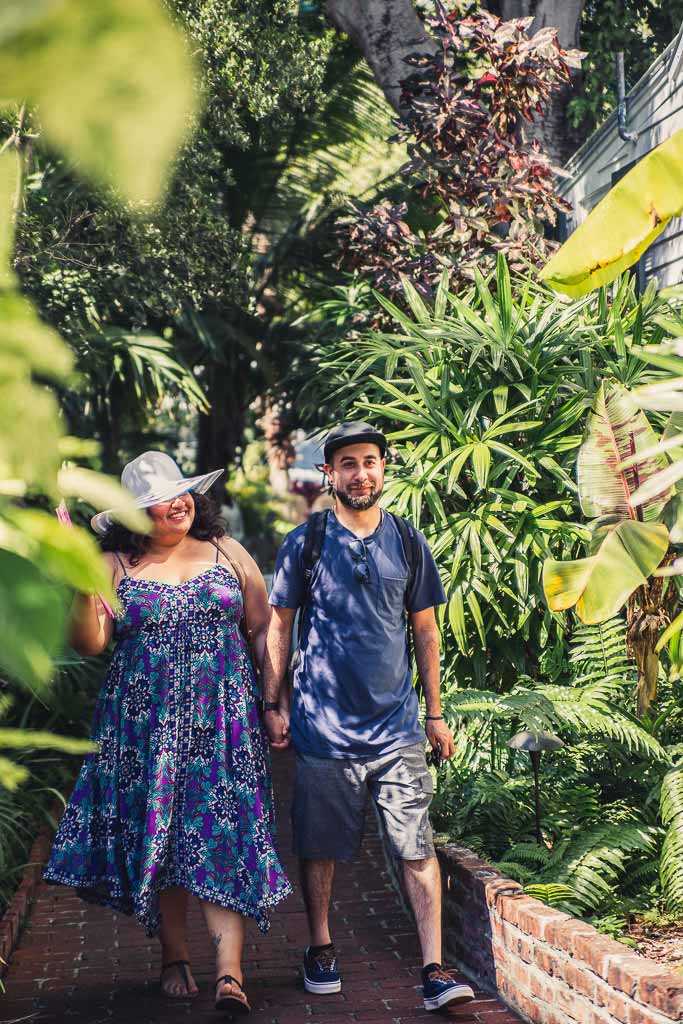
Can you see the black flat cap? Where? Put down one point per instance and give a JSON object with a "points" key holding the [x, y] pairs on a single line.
{"points": [[353, 432]]}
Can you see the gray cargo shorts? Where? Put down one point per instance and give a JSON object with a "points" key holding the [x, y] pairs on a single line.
{"points": [[330, 797]]}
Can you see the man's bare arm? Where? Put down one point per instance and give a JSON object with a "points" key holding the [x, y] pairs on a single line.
{"points": [[426, 640], [278, 644]]}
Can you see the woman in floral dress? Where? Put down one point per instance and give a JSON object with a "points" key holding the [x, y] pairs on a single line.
{"points": [[178, 798]]}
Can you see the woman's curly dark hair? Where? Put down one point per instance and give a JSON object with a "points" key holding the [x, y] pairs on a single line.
{"points": [[206, 525]]}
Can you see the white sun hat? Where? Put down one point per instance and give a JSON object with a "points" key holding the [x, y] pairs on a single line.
{"points": [[152, 478]]}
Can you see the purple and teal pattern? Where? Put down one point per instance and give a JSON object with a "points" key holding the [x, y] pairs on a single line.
{"points": [[179, 792]]}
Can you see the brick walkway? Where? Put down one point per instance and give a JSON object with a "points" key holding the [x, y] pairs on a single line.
{"points": [[80, 964]]}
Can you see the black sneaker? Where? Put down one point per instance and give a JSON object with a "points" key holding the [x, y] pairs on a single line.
{"points": [[321, 971], [440, 988]]}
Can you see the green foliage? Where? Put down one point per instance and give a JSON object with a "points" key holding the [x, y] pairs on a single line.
{"points": [[266, 518], [600, 794], [640, 28], [95, 82], [550, 893], [671, 866], [66, 707]]}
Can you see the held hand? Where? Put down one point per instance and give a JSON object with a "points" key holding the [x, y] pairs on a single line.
{"points": [[284, 715], [277, 729], [440, 736]]}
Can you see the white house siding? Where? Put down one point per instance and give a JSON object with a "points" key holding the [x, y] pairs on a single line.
{"points": [[654, 112]]}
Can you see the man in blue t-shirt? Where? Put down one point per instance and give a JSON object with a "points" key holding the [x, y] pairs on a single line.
{"points": [[354, 719]]}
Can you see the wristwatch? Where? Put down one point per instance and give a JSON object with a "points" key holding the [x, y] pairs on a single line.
{"points": [[269, 705]]}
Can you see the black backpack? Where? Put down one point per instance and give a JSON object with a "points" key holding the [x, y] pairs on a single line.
{"points": [[313, 545]]}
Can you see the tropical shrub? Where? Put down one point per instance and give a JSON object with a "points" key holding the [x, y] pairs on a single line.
{"points": [[475, 187], [605, 826]]}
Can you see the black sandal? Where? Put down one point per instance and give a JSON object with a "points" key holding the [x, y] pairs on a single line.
{"points": [[232, 1003], [182, 966]]}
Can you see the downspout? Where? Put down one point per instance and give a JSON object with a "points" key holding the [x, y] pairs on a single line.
{"points": [[621, 100]]}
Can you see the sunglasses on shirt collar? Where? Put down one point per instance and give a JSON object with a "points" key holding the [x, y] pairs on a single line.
{"points": [[361, 569]]}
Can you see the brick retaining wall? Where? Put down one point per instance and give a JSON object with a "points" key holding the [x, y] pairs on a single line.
{"points": [[547, 966]]}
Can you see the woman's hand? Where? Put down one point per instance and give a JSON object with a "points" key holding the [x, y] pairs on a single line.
{"points": [[90, 627], [277, 728]]}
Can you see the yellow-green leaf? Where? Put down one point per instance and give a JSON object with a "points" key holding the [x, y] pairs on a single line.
{"points": [[9, 183], [112, 82], [598, 586], [12, 775], [32, 620], [102, 492], [621, 227], [481, 463], [66, 553]]}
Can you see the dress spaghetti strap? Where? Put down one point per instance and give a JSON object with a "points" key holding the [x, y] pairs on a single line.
{"points": [[118, 559]]}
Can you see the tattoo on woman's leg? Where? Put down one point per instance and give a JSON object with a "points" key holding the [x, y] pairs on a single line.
{"points": [[216, 939]]}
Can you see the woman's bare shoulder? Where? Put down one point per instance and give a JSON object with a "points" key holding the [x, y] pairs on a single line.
{"points": [[237, 553]]}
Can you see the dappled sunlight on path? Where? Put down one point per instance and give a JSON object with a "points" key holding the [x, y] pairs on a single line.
{"points": [[80, 964]]}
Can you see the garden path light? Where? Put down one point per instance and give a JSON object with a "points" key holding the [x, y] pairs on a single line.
{"points": [[535, 743]]}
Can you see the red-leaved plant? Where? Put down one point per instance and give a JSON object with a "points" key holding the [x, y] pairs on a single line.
{"points": [[477, 186]]}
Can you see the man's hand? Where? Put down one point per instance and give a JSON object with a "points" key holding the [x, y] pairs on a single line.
{"points": [[440, 737], [277, 728]]}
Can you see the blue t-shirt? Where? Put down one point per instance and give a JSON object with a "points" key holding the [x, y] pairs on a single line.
{"points": [[353, 693]]}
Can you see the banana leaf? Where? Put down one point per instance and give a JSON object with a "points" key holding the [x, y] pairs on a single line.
{"points": [[598, 586], [623, 225], [617, 430]]}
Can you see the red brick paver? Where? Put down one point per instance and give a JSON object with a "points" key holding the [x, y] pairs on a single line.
{"points": [[81, 964]]}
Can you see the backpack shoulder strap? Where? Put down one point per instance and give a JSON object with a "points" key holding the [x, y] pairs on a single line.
{"points": [[411, 550], [313, 545]]}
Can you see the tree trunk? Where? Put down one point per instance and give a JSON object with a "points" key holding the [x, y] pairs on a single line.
{"points": [[386, 32], [556, 137]]}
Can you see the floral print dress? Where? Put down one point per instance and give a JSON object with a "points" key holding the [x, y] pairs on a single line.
{"points": [[179, 792]]}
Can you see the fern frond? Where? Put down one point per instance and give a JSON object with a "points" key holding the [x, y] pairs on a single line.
{"points": [[512, 869], [532, 853], [593, 862], [599, 651], [586, 711], [671, 864], [550, 893]]}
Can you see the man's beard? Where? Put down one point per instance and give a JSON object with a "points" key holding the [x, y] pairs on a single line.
{"points": [[359, 502]]}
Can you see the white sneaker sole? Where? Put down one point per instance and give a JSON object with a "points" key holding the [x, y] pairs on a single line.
{"points": [[454, 996], [322, 988]]}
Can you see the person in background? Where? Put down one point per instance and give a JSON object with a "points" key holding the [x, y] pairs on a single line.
{"points": [[177, 801], [354, 718]]}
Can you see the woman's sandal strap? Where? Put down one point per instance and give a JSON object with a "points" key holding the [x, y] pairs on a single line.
{"points": [[229, 980], [175, 963]]}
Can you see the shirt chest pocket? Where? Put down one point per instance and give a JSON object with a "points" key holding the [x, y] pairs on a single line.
{"points": [[391, 591]]}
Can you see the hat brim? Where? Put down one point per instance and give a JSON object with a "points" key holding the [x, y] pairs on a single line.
{"points": [[103, 521]]}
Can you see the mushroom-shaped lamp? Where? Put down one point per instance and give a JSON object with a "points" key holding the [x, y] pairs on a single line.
{"points": [[535, 742]]}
